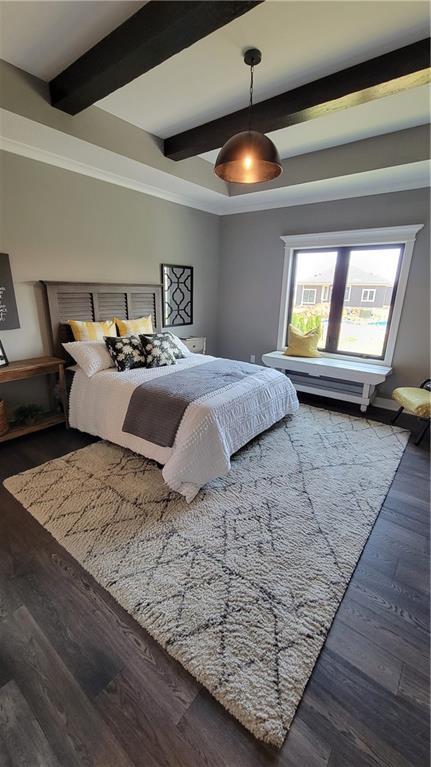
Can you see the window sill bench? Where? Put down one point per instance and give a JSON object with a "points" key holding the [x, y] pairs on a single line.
{"points": [[345, 380]]}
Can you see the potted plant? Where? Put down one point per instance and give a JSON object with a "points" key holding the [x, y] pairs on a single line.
{"points": [[28, 415]]}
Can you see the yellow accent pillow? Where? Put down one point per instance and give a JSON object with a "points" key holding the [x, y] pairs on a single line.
{"points": [[413, 399], [134, 327], [302, 344], [92, 331]]}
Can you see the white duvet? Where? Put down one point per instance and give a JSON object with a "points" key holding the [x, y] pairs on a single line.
{"points": [[212, 429]]}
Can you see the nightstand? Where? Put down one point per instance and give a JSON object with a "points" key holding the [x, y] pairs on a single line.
{"points": [[24, 369], [196, 344]]}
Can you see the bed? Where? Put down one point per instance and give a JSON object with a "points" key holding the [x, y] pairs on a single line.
{"points": [[217, 423]]}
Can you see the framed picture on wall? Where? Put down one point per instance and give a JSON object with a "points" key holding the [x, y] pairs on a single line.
{"points": [[8, 309], [3, 359], [177, 295]]}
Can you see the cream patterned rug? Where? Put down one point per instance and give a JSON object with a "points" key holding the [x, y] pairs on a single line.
{"points": [[241, 586]]}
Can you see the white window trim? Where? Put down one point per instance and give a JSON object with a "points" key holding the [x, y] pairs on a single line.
{"points": [[348, 293], [405, 235], [309, 303], [327, 289], [368, 300]]}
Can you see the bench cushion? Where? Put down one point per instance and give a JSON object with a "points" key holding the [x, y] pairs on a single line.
{"points": [[338, 368]]}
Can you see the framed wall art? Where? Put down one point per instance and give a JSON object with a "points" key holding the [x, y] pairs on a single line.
{"points": [[177, 295], [8, 309], [3, 358]]}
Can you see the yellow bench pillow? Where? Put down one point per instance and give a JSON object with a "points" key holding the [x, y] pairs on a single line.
{"points": [[302, 344], [92, 331], [135, 327]]}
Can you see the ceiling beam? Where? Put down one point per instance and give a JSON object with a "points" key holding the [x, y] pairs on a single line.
{"points": [[382, 76], [159, 30]]}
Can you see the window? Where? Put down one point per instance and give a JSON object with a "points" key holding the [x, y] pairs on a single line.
{"points": [[353, 320], [368, 295], [308, 295], [348, 327]]}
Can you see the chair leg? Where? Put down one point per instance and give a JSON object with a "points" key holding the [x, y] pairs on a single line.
{"points": [[397, 414], [421, 435]]}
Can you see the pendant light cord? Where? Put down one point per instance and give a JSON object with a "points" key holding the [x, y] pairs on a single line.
{"points": [[250, 104]]}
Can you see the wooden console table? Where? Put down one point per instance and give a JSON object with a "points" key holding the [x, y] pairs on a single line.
{"points": [[24, 369]]}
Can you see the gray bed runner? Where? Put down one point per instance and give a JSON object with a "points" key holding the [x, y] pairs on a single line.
{"points": [[157, 407]]}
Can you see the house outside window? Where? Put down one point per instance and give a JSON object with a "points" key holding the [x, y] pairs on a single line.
{"points": [[368, 295], [351, 286]]}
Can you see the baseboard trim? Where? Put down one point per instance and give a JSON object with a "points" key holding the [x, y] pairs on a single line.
{"points": [[386, 404]]}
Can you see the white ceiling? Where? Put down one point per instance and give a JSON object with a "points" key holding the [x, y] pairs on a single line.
{"points": [[43, 38], [300, 41]]}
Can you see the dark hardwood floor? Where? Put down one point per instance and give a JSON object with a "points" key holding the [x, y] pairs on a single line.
{"points": [[82, 684]]}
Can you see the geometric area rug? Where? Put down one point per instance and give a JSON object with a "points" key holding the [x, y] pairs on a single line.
{"points": [[242, 585]]}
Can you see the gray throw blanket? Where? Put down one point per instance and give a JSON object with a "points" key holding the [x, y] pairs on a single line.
{"points": [[157, 407]]}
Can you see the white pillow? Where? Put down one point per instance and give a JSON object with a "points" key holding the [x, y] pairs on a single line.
{"points": [[91, 356]]}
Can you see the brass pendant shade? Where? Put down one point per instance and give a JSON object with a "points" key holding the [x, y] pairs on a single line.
{"points": [[249, 157]]}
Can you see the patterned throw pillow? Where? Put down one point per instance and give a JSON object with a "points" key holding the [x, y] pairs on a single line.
{"points": [[158, 350], [177, 346], [170, 341], [126, 351]]}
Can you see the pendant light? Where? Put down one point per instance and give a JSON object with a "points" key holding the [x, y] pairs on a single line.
{"points": [[249, 157]]}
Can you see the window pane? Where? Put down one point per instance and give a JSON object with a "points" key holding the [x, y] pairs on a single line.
{"points": [[312, 291], [366, 308]]}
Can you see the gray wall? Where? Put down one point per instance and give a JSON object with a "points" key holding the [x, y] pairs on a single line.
{"points": [[59, 225], [252, 263]]}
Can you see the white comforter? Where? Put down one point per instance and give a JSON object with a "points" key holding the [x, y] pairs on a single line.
{"points": [[212, 429]]}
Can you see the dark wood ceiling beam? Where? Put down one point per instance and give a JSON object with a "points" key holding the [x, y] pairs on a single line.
{"points": [[382, 76], [159, 30]]}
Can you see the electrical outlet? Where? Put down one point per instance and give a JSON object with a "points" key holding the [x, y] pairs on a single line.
{"points": [[252, 358]]}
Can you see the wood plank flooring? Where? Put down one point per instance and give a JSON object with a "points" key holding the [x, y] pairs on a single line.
{"points": [[82, 684]]}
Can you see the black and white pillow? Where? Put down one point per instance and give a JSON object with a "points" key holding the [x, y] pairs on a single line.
{"points": [[158, 349], [126, 352], [179, 349], [170, 341]]}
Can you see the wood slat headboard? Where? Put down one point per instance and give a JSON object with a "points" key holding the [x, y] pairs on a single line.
{"points": [[98, 301]]}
